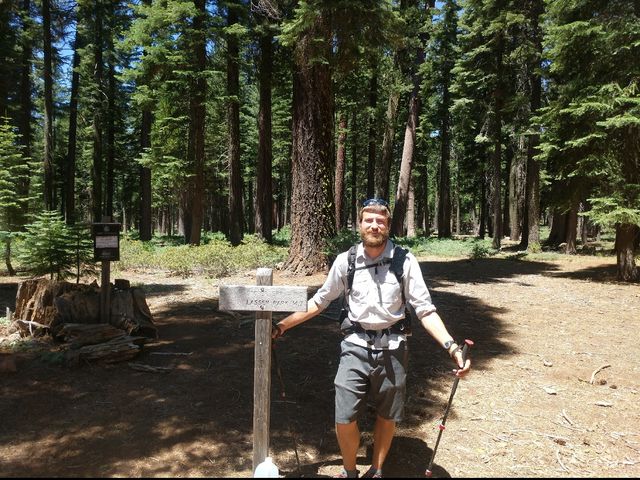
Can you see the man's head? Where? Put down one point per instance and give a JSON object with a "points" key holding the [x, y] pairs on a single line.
{"points": [[374, 222]]}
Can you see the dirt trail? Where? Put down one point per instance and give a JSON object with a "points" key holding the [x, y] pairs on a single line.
{"points": [[542, 330]]}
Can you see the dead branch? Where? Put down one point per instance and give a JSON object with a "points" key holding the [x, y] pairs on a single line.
{"points": [[566, 417], [171, 353], [560, 462], [595, 372], [141, 367]]}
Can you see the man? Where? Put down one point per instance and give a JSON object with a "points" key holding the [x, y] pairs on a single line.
{"points": [[373, 360]]}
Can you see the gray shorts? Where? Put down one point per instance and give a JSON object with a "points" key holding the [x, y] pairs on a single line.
{"points": [[378, 375]]}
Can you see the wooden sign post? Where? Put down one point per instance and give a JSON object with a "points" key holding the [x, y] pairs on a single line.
{"points": [[263, 299], [106, 248]]}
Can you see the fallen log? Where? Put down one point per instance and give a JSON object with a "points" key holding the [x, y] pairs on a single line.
{"points": [[79, 335], [115, 350]]}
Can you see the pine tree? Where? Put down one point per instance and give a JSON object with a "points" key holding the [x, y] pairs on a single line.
{"points": [[592, 124]]}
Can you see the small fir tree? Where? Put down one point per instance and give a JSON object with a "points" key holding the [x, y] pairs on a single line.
{"points": [[50, 247]]}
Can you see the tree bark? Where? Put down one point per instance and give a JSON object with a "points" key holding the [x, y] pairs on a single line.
{"points": [[371, 158], [197, 124], [236, 215], [572, 229], [48, 106], [145, 177], [111, 127], [340, 169], [26, 107], [531, 218], [264, 194], [96, 172], [406, 166], [626, 239], [354, 173], [70, 164], [384, 169], [498, 100], [312, 210], [444, 205]]}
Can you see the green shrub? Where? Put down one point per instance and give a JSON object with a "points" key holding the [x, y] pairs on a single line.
{"points": [[217, 258], [479, 250]]}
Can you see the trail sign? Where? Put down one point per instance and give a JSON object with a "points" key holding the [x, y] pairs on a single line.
{"points": [[263, 299], [106, 241]]}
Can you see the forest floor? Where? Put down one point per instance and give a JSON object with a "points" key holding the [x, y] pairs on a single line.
{"points": [[553, 392]]}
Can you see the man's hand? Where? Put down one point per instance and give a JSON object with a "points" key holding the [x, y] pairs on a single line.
{"points": [[463, 366], [276, 331]]}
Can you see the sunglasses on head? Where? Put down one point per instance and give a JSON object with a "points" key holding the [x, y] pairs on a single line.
{"points": [[375, 201]]}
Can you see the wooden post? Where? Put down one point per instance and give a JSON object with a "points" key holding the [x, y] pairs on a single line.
{"points": [[262, 377], [264, 299], [105, 285], [105, 291]]}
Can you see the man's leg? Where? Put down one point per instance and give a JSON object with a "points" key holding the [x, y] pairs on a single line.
{"points": [[349, 441], [382, 437]]}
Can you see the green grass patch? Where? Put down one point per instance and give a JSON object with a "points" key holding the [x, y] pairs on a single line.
{"points": [[216, 259]]}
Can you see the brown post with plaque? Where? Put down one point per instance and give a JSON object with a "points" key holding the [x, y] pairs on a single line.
{"points": [[106, 248], [264, 298]]}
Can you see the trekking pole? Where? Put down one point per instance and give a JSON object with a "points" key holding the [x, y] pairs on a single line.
{"points": [[467, 344], [283, 395]]}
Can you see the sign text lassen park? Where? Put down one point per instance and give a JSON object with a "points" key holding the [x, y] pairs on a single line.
{"points": [[263, 298]]}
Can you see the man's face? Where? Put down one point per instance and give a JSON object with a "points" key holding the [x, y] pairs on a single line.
{"points": [[373, 229]]}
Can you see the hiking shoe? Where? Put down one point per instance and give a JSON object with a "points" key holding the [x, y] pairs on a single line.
{"points": [[372, 473], [344, 474]]}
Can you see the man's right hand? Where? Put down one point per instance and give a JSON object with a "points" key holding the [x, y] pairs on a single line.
{"points": [[276, 331]]}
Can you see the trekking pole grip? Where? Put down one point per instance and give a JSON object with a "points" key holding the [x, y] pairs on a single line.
{"points": [[467, 344]]}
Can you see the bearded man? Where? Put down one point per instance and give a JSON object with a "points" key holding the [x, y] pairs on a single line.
{"points": [[374, 351]]}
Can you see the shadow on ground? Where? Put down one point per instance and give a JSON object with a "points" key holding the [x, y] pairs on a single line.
{"points": [[196, 420]]}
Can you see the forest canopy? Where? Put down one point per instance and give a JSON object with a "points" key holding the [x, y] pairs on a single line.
{"points": [[187, 117]]}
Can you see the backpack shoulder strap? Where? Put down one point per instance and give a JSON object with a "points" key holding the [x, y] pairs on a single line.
{"points": [[397, 266], [351, 267], [397, 262]]}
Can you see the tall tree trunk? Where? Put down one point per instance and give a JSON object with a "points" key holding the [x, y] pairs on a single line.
{"points": [[558, 232], [70, 164], [402, 193], [426, 217], [312, 208], [484, 213], [371, 163], [264, 194], [339, 189], [145, 177], [444, 206], [354, 173], [96, 172], [197, 108], [626, 239], [384, 169], [498, 100], [48, 107], [411, 209], [406, 166], [111, 128], [516, 189], [145, 227], [26, 107], [572, 229], [531, 218], [236, 215]]}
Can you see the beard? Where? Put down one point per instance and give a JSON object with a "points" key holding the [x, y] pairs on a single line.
{"points": [[373, 240]]}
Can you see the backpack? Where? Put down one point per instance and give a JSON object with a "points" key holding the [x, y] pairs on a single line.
{"points": [[397, 267]]}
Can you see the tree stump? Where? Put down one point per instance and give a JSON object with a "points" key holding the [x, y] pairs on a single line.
{"points": [[71, 313]]}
